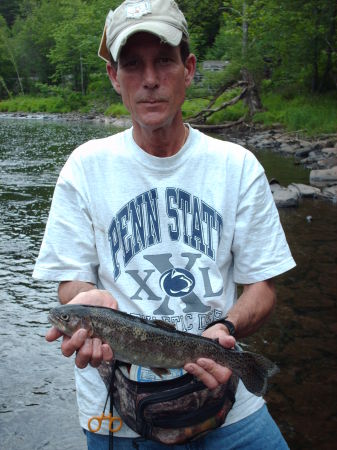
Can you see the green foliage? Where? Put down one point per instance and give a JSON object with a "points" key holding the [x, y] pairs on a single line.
{"points": [[49, 48], [231, 113], [293, 43], [72, 99], [9, 10], [204, 21], [116, 110], [192, 107], [8, 67], [34, 105], [312, 115]]}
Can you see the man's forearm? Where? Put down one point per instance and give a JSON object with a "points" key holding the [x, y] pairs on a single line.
{"points": [[252, 308], [67, 290]]}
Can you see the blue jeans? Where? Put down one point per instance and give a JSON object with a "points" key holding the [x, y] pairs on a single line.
{"points": [[256, 432]]}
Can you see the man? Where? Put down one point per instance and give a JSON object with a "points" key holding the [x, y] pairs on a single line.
{"points": [[132, 211]]}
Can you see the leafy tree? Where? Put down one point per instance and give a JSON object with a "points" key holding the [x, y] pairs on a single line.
{"points": [[7, 55], [204, 19], [291, 42], [9, 9], [33, 39], [77, 40]]}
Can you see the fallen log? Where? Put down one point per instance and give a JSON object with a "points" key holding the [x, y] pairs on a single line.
{"points": [[219, 126]]}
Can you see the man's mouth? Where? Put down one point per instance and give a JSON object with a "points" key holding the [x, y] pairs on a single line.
{"points": [[151, 101]]}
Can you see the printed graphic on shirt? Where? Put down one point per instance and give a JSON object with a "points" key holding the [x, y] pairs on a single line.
{"points": [[177, 282], [137, 227], [190, 321]]}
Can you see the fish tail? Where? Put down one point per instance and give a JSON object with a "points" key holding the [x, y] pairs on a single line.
{"points": [[254, 371]]}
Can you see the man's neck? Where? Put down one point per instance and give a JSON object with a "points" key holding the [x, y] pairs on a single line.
{"points": [[161, 142]]}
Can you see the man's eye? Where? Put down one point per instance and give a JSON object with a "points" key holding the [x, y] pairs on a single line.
{"points": [[164, 60], [130, 64]]}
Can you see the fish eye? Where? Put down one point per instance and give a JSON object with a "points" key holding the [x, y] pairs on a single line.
{"points": [[65, 317]]}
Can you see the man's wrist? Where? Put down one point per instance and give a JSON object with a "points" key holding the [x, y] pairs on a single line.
{"points": [[228, 324]]}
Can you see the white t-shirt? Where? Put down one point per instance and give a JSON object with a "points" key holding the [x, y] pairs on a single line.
{"points": [[169, 238]]}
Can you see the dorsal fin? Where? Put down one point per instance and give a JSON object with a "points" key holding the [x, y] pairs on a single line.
{"points": [[165, 325]]}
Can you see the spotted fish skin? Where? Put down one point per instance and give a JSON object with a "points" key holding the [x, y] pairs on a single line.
{"points": [[157, 344]]}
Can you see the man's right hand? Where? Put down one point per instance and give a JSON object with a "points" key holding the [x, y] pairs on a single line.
{"points": [[88, 350]]}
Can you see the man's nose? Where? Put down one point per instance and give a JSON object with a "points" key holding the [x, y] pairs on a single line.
{"points": [[151, 79]]}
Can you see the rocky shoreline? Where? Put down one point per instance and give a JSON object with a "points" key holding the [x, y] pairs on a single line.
{"points": [[318, 155], [118, 122]]}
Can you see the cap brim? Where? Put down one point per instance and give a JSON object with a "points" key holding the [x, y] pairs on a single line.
{"points": [[103, 51], [167, 33]]}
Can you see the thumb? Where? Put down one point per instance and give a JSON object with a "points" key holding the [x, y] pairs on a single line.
{"points": [[226, 341]]}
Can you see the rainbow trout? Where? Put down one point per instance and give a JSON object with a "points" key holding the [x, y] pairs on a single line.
{"points": [[157, 344]]}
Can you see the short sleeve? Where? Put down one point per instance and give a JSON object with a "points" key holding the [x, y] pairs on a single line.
{"points": [[68, 250], [259, 247]]}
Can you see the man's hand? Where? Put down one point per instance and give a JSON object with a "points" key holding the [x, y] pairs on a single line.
{"points": [[88, 350], [207, 370]]}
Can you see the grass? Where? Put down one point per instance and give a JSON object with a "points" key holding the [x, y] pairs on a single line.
{"points": [[193, 106], [231, 113], [116, 110], [30, 104], [312, 115]]}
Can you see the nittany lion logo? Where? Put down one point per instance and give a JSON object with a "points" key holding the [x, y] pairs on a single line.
{"points": [[177, 282]]}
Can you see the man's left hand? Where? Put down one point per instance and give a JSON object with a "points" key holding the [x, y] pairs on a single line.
{"points": [[207, 370]]}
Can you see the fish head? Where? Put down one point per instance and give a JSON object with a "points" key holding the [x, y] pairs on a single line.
{"points": [[70, 318]]}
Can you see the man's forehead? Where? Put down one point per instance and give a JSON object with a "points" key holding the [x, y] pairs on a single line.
{"points": [[143, 41]]}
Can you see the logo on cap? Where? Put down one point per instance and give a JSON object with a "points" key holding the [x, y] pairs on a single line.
{"points": [[138, 9], [177, 282]]}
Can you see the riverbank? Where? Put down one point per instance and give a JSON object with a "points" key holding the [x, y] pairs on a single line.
{"points": [[319, 154]]}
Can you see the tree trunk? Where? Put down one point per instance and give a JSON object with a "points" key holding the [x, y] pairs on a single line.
{"points": [[252, 98], [331, 40]]}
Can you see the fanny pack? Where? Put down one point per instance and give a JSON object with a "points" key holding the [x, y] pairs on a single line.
{"points": [[172, 411]]}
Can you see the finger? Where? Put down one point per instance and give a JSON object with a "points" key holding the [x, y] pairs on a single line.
{"points": [[53, 334], [84, 354], [220, 373], [71, 344], [227, 341], [207, 378], [97, 353], [222, 336], [107, 353]]}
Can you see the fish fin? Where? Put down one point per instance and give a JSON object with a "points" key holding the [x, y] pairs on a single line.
{"points": [[254, 371], [165, 325], [160, 371]]}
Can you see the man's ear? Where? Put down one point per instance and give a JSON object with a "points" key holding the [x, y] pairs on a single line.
{"points": [[190, 66], [112, 73]]}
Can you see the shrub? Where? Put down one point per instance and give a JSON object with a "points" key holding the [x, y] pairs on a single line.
{"points": [[116, 110]]}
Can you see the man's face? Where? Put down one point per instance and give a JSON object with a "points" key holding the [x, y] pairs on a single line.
{"points": [[152, 80]]}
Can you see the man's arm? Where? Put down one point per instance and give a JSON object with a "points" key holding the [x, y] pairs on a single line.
{"points": [[88, 350], [253, 307], [251, 310], [69, 289]]}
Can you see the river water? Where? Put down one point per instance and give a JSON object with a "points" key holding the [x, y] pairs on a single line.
{"points": [[37, 396]]}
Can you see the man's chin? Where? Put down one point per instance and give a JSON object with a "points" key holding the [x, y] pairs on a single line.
{"points": [[152, 120]]}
